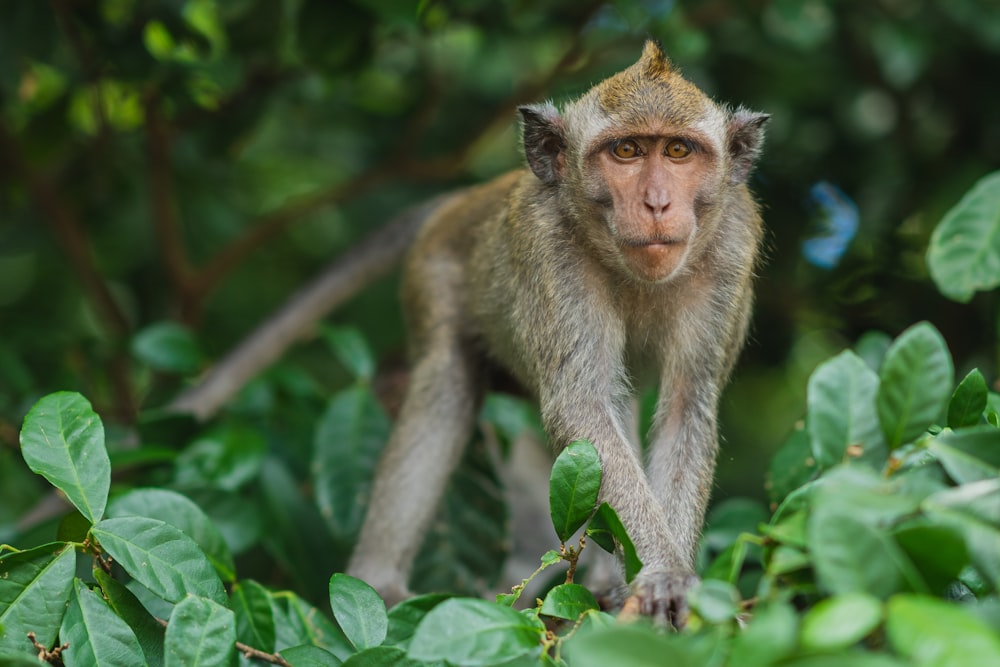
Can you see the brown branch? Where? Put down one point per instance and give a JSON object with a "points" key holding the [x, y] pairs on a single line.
{"points": [[343, 278], [163, 206], [399, 166], [69, 234], [256, 84], [53, 657], [252, 653], [88, 65], [270, 224]]}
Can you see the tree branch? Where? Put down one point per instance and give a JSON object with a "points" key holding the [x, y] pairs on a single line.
{"points": [[163, 207], [343, 278], [69, 234]]}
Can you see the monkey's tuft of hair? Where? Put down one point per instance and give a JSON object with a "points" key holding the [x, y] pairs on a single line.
{"points": [[651, 88]]}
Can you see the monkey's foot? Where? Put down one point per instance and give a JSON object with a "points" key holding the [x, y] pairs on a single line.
{"points": [[662, 596]]}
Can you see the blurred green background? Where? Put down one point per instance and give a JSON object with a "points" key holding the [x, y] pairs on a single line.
{"points": [[196, 162]]}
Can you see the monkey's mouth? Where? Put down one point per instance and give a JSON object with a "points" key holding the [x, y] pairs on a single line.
{"points": [[658, 243], [654, 259]]}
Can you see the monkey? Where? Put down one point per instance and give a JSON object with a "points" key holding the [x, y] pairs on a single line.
{"points": [[624, 254]]}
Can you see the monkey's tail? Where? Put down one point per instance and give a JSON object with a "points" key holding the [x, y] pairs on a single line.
{"points": [[344, 277]]}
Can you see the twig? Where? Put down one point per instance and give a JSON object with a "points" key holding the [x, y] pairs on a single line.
{"points": [[44, 654], [252, 653]]}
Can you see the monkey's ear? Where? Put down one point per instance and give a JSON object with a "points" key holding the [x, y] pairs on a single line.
{"points": [[544, 141], [746, 137]]}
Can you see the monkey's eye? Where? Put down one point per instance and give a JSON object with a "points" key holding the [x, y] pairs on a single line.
{"points": [[678, 148], [625, 149]]}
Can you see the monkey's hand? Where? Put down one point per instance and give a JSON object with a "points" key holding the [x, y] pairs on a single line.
{"points": [[661, 595]]}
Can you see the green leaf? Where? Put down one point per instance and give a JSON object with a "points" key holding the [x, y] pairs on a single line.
{"points": [[352, 351], [731, 518], [147, 630], [969, 401], [406, 616], [964, 252], [551, 557], [792, 466], [569, 601], [992, 411], [381, 656], [941, 565], [850, 556], [628, 645], [182, 513], [160, 557], [511, 418], [715, 601], [969, 455], [785, 559], [979, 499], [35, 586], [238, 521], [847, 536], [573, 487], [771, 635], [229, 457], [916, 376], [841, 403], [307, 655], [296, 621], [868, 496], [871, 347], [607, 530], [296, 534], [934, 633], [840, 621], [473, 632], [96, 635], [200, 633], [63, 441], [251, 603], [359, 610], [168, 347], [982, 539], [349, 438]]}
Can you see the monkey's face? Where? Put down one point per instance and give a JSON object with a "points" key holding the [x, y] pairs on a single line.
{"points": [[644, 161], [649, 182]]}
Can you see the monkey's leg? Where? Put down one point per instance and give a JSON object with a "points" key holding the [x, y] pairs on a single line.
{"points": [[624, 486], [433, 427], [680, 467]]}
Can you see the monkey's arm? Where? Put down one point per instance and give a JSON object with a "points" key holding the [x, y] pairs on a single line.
{"points": [[343, 278], [698, 351]]}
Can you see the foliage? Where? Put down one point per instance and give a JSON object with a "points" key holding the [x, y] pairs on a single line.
{"points": [[171, 171], [845, 562]]}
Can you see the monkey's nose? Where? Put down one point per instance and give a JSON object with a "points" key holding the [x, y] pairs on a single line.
{"points": [[657, 205]]}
